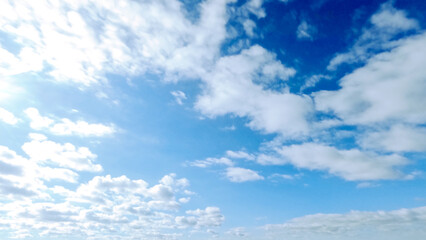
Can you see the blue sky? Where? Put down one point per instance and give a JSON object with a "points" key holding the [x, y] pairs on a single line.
{"points": [[214, 119]]}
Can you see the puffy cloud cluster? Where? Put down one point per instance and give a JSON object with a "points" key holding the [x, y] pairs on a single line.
{"points": [[33, 205]]}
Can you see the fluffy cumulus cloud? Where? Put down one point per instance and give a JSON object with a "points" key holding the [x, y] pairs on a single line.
{"points": [[239, 86], [65, 126], [105, 207], [380, 225]]}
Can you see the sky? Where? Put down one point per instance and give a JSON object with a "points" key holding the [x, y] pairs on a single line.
{"points": [[213, 119]]}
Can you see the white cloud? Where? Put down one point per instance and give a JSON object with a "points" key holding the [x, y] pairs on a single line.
{"points": [[240, 154], [8, 117], [380, 225], [212, 161], [237, 174], [22, 178], [286, 176], [389, 88], [37, 121], [107, 207], [103, 208], [82, 41], [65, 155], [305, 31], [352, 165], [209, 217], [81, 128], [67, 127], [179, 96], [398, 138], [249, 27], [393, 19], [237, 232], [385, 24], [237, 86], [255, 7], [313, 80]]}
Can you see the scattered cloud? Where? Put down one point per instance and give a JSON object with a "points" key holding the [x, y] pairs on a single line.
{"points": [[67, 127], [81, 42], [389, 88], [232, 89], [81, 128], [209, 217], [286, 176], [380, 225], [352, 165], [249, 27], [212, 161], [104, 207], [254, 7], [65, 155], [306, 31], [385, 24], [237, 174], [398, 138], [313, 80], [37, 121], [240, 155], [237, 232], [8, 117], [179, 96]]}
